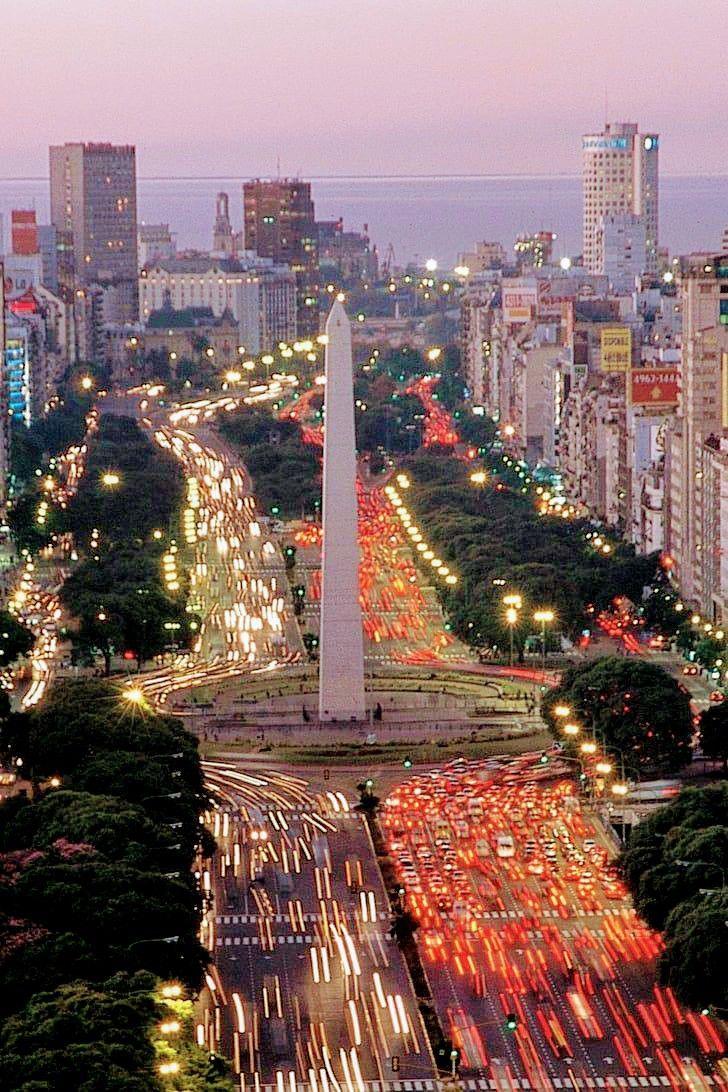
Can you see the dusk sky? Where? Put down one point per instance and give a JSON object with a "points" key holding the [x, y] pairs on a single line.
{"points": [[360, 86]]}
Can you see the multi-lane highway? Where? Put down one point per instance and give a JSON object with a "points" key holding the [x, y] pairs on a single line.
{"points": [[539, 966], [308, 989]]}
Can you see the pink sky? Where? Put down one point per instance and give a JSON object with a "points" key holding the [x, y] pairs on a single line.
{"points": [[361, 86]]}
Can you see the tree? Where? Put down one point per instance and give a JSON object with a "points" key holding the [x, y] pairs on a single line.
{"points": [[83, 1037], [696, 951], [714, 733], [677, 850], [15, 639], [638, 709]]}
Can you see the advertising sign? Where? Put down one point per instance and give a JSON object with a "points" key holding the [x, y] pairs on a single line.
{"points": [[616, 344], [520, 299], [655, 387]]}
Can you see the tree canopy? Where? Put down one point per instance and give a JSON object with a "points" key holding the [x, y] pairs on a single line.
{"points": [[637, 709], [675, 865]]}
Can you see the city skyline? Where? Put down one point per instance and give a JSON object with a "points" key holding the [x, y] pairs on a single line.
{"points": [[521, 103]]}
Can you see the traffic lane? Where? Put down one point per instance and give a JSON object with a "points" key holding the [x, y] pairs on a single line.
{"points": [[581, 938], [291, 967]]}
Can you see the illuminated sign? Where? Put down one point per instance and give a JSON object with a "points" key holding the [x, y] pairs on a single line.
{"points": [[616, 343], [658, 387], [599, 143]]}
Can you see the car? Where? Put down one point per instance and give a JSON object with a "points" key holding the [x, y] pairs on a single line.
{"points": [[505, 846], [690, 669], [717, 695]]}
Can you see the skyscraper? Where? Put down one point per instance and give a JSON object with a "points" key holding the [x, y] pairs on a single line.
{"points": [[620, 175], [93, 196], [280, 224], [694, 535]]}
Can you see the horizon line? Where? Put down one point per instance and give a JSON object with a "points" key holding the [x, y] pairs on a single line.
{"points": [[354, 177]]}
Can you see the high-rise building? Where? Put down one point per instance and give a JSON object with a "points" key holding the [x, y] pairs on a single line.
{"points": [[696, 523], [280, 224], [93, 195], [620, 175]]}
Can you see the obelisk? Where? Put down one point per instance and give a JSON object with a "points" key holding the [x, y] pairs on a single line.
{"points": [[341, 669]]}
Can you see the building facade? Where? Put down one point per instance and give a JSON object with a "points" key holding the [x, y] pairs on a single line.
{"points": [[280, 224], [695, 444], [619, 175], [261, 296], [93, 197]]}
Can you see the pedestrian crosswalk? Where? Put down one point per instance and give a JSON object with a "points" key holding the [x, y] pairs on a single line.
{"points": [[253, 942], [511, 1084], [278, 919]]}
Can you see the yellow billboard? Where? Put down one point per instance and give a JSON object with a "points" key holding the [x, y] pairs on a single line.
{"points": [[616, 348]]}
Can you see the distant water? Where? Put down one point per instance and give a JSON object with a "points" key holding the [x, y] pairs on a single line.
{"points": [[423, 217]]}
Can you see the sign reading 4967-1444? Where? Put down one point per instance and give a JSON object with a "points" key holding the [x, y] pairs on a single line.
{"points": [[616, 344]]}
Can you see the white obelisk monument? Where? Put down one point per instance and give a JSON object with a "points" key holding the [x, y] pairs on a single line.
{"points": [[341, 670]]}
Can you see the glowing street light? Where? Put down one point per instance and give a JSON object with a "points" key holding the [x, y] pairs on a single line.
{"points": [[478, 477], [511, 620], [110, 479], [571, 729], [431, 265], [589, 747], [545, 617], [561, 711], [620, 789], [604, 768], [134, 695], [87, 383]]}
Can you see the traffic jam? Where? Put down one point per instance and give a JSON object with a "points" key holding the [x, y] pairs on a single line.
{"points": [[542, 974], [236, 586], [399, 624], [307, 988]]}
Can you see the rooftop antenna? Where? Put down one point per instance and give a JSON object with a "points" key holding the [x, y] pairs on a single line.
{"points": [[278, 167]]}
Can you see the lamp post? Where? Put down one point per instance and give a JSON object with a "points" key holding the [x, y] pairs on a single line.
{"points": [[513, 603], [545, 617]]}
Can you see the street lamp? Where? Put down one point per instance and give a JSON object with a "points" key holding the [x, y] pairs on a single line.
{"points": [[561, 711], [110, 479], [511, 619], [545, 617]]}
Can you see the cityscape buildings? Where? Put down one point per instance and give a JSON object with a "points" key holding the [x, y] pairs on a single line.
{"points": [[620, 176], [280, 224], [93, 199]]}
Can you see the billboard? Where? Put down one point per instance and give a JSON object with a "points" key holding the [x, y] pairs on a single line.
{"points": [[520, 300], [616, 343], [658, 387], [23, 232]]}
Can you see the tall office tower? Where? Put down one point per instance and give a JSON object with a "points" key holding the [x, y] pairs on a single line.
{"points": [[280, 224], [702, 419], [619, 174], [93, 195]]}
